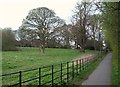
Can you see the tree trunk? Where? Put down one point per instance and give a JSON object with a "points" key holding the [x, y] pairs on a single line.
{"points": [[82, 47], [83, 44], [42, 49], [94, 43]]}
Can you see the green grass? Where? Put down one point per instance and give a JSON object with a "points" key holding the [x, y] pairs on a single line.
{"points": [[115, 71], [29, 58]]}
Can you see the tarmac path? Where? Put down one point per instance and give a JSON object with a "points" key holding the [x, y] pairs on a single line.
{"points": [[102, 74]]}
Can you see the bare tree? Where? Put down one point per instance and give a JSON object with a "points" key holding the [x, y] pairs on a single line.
{"points": [[80, 18], [94, 28], [43, 21]]}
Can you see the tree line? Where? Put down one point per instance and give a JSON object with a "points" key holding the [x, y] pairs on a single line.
{"points": [[42, 28]]}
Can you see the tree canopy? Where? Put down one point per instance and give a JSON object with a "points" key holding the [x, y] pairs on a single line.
{"points": [[42, 22], [111, 17]]}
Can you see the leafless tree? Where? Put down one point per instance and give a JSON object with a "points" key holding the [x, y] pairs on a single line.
{"points": [[43, 21]]}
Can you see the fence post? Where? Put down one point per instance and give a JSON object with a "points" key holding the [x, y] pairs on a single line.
{"points": [[72, 69], [20, 78], [67, 71], [87, 62], [91, 60], [83, 64], [82, 68], [39, 76], [61, 73], [80, 65], [77, 67], [52, 76]]}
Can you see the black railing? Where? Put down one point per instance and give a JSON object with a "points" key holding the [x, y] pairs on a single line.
{"points": [[48, 75]]}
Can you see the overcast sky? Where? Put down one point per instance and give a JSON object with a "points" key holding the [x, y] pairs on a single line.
{"points": [[12, 12]]}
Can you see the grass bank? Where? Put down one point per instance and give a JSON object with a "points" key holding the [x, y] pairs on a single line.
{"points": [[115, 71]]}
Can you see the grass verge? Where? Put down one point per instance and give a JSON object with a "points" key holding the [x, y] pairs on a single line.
{"points": [[114, 71]]}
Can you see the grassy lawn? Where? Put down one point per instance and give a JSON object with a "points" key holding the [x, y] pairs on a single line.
{"points": [[28, 58]]}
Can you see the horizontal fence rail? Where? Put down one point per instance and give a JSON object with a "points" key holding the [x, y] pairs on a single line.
{"points": [[48, 75]]}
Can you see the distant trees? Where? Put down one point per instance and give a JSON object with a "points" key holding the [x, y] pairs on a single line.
{"points": [[41, 27], [80, 20], [94, 30], [26, 37], [87, 25], [110, 17], [8, 39], [41, 22], [90, 44], [63, 35]]}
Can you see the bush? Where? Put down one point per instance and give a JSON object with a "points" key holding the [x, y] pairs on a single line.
{"points": [[90, 45], [8, 40]]}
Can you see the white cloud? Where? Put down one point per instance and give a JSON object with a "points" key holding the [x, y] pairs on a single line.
{"points": [[12, 12]]}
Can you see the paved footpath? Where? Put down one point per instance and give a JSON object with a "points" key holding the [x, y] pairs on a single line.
{"points": [[102, 74]]}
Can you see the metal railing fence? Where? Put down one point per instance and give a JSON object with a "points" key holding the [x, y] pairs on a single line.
{"points": [[48, 75]]}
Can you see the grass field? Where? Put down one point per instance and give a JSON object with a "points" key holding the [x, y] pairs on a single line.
{"points": [[28, 58]]}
